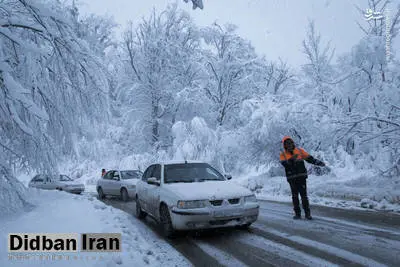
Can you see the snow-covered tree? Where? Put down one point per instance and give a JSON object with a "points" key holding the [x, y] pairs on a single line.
{"points": [[318, 69], [196, 3], [229, 63], [160, 63], [99, 32], [51, 84], [274, 77], [365, 95]]}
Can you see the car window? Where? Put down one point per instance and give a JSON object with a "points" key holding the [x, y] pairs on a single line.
{"points": [[191, 172], [147, 173], [144, 176], [65, 178], [108, 175], [135, 174], [37, 178], [115, 175], [156, 172]]}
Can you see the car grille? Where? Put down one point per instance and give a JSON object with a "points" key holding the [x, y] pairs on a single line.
{"points": [[216, 202], [234, 201]]}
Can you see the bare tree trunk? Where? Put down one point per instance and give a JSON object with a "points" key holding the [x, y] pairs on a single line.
{"points": [[154, 126]]}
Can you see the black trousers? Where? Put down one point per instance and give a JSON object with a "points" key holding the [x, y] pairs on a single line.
{"points": [[299, 186]]}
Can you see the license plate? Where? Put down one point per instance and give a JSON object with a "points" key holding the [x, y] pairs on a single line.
{"points": [[226, 213]]}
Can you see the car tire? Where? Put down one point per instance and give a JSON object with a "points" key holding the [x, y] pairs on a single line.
{"points": [[139, 212], [166, 223], [124, 195], [100, 193], [244, 226]]}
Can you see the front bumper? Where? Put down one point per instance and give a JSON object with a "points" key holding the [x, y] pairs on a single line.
{"points": [[205, 218], [74, 190], [131, 192]]}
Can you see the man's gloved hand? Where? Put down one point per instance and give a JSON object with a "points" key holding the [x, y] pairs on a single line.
{"points": [[322, 164]]}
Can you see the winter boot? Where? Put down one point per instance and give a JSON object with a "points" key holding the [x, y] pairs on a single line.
{"points": [[308, 216], [297, 216]]}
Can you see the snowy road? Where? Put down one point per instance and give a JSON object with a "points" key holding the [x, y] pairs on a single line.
{"points": [[335, 238]]}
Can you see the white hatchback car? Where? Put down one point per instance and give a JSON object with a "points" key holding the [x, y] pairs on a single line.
{"points": [[193, 195], [119, 183]]}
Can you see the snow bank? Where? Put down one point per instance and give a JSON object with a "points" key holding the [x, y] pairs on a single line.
{"points": [[60, 212], [13, 196]]}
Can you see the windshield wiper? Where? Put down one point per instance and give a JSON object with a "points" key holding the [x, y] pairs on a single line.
{"points": [[208, 179]]}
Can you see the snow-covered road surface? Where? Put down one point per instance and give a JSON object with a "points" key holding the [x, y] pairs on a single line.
{"points": [[335, 237]]}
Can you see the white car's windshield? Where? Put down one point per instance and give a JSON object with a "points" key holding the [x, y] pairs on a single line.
{"points": [[131, 175], [191, 172], [64, 178]]}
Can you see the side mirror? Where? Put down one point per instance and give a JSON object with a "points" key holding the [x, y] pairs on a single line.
{"points": [[228, 176], [153, 181], [116, 178]]}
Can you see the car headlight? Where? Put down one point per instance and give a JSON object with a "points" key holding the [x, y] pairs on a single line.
{"points": [[131, 186], [251, 198], [192, 204]]}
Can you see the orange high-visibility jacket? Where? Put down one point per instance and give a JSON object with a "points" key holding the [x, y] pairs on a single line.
{"points": [[294, 163]]}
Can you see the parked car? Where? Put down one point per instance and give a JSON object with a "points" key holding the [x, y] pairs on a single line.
{"points": [[193, 195], [119, 183], [56, 182]]}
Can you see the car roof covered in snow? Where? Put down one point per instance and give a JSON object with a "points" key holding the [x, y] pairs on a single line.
{"points": [[180, 162]]}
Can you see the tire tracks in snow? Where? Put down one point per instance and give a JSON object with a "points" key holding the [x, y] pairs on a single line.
{"points": [[302, 247], [190, 245], [322, 242], [350, 241], [385, 220], [390, 234], [186, 247], [223, 239]]}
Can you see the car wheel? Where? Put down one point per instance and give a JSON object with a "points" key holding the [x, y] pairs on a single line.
{"points": [[101, 193], [244, 226], [124, 195], [166, 223], [139, 212]]}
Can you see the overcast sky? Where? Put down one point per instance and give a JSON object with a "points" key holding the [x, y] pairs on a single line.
{"points": [[276, 28]]}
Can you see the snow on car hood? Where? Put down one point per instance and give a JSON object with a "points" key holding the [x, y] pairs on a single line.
{"points": [[207, 190]]}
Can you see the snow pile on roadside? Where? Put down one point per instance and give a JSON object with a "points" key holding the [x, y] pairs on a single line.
{"points": [[60, 212], [12, 194], [344, 187]]}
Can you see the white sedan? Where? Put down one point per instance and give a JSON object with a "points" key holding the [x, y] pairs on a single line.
{"points": [[193, 195], [119, 183], [56, 182]]}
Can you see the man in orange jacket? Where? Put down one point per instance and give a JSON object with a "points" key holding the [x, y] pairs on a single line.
{"points": [[292, 158]]}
